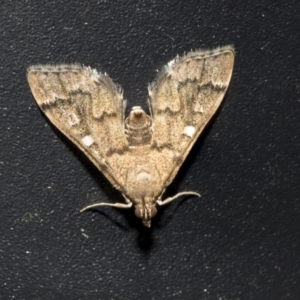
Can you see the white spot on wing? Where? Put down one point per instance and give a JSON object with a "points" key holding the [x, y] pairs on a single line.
{"points": [[88, 140], [189, 131]]}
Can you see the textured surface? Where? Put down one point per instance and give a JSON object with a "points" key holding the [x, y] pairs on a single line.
{"points": [[141, 155], [240, 240]]}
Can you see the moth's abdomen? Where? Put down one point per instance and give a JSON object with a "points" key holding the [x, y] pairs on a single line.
{"points": [[138, 130]]}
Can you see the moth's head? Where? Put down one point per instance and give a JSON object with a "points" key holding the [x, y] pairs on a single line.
{"points": [[145, 211]]}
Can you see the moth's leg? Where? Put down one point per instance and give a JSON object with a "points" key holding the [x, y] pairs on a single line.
{"points": [[118, 205], [168, 200]]}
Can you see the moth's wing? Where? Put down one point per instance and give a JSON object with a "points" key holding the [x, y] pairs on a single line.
{"points": [[87, 107], [183, 98]]}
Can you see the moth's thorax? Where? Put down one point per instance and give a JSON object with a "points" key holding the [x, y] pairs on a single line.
{"points": [[143, 181], [144, 186], [138, 128]]}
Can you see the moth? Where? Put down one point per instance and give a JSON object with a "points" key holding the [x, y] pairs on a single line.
{"points": [[139, 155]]}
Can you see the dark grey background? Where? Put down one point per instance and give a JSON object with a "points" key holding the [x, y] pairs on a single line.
{"points": [[240, 240]]}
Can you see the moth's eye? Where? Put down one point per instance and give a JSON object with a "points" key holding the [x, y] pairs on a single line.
{"points": [[138, 212], [153, 211]]}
